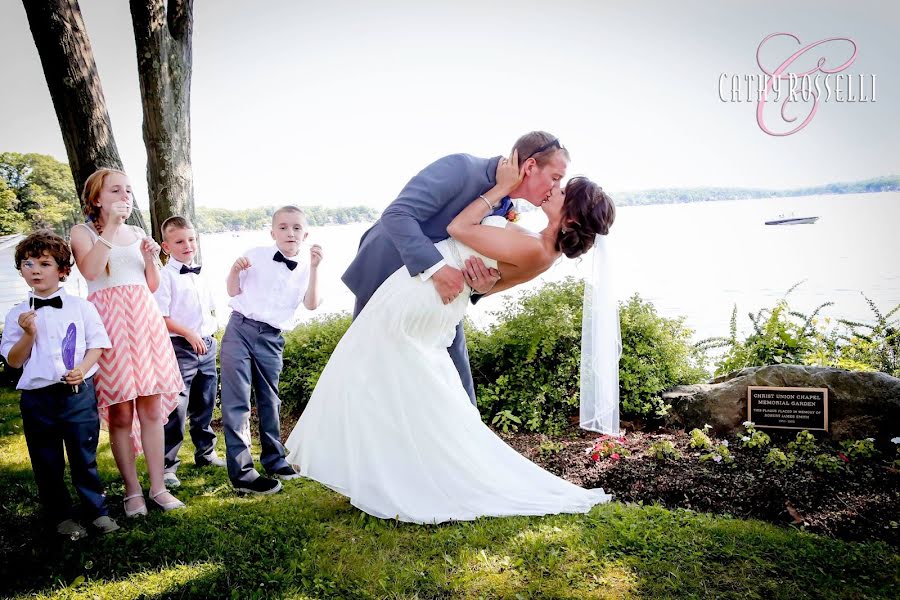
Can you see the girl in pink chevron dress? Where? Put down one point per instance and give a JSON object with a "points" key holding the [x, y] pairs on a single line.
{"points": [[138, 380]]}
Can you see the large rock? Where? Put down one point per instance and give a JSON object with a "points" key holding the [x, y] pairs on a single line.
{"points": [[860, 404]]}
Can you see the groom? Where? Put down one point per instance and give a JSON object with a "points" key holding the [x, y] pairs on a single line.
{"points": [[411, 225]]}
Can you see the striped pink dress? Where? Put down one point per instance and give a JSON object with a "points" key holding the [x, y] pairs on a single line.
{"points": [[141, 361]]}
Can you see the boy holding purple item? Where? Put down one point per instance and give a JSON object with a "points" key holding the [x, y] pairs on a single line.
{"points": [[56, 340]]}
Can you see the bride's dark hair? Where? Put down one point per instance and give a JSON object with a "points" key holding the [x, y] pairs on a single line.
{"points": [[587, 210]]}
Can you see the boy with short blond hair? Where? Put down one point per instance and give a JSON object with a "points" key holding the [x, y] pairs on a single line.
{"points": [[267, 286], [188, 309]]}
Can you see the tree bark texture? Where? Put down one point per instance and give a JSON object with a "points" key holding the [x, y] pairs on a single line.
{"points": [[71, 73], [162, 36]]}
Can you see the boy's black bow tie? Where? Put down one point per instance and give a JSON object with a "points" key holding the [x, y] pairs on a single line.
{"points": [[187, 269], [55, 302], [279, 257]]}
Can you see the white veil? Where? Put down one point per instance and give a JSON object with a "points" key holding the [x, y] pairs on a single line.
{"points": [[601, 346]]}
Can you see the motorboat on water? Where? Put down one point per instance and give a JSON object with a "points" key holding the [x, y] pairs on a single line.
{"points": [[792, 220]]}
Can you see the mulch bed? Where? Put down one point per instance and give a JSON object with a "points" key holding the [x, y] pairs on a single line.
{"points": [[861, 502]]}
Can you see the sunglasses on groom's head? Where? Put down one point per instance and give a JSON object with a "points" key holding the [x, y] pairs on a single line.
{"points": [[547, 146]]}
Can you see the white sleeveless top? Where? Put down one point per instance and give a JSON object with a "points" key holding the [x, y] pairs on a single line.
{"points": [[126, 263]]}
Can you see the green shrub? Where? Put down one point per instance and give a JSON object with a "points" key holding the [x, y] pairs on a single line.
{"points": [[528, 362], [663, 450], [780, 336], [804, 444], [859, 449], [549, 447], [863, 346], [754, 438], [656, 354], [784, 336], [896, 441], [825, 463], [699, 440], [719, 454], [505, 421], [779, 460], [306, 351]]}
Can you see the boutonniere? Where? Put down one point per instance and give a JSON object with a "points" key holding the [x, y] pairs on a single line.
{"points": [[512, 214]]}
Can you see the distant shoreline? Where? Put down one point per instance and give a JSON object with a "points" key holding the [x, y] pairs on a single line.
{"points": [[719, 194]]}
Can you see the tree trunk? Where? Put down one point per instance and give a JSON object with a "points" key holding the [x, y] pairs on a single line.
{"points": [[164, 56], [68, 63]]}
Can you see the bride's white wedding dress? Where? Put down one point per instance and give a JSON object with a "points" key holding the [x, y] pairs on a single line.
{"points": [[390, 426]]}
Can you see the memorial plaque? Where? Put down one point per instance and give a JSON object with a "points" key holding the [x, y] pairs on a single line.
{"points": [[788, 407]]}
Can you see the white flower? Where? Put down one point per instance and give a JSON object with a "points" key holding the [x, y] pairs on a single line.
{"points": [[717, 458], [745, 438], [706, 426], [748, 423], [895, 440], [870, 439], [725, 442]]}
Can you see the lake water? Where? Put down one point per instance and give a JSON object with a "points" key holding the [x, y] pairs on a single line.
{"points": [[692, 260]]}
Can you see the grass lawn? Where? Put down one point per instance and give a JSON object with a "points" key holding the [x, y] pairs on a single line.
{"points": [[308, 542]]}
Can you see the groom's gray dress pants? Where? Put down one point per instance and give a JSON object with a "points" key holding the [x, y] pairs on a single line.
{"points": [[251, 355], [458, 352]]}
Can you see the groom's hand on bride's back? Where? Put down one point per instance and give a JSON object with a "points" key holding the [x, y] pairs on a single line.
{"points": [[448, 282], [480, 277]]}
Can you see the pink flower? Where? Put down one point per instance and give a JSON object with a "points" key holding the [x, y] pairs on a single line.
{"points": [[615, 456], [843, 457]]}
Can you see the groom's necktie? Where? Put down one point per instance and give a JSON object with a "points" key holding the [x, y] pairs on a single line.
{"points": [[504, 207], [279, 257]]}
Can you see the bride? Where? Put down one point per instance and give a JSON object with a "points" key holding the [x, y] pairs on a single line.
{"points": [[390, 426]]}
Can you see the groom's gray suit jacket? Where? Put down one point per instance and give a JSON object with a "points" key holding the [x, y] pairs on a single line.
{"points": [[409, 227]]}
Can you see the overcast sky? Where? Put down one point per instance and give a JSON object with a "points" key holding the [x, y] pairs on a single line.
{"points": [[340, 103]]}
